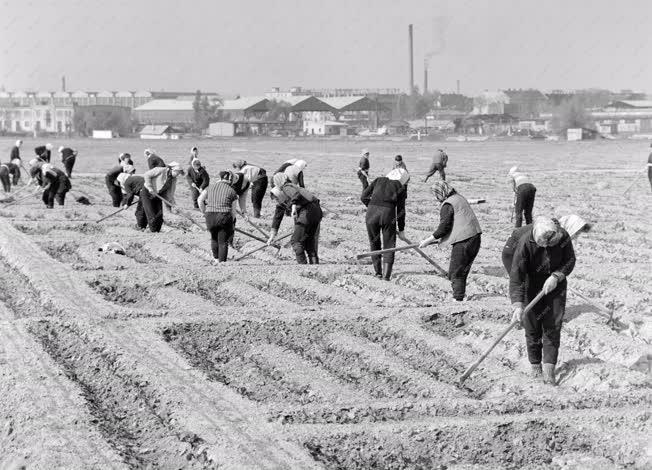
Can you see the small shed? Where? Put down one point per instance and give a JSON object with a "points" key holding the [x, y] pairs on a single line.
{"points": [[325, 128], [160, 132], [221, 129], [398, 127]]}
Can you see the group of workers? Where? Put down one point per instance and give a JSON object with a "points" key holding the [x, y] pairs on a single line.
{"points": [[538, 256]]}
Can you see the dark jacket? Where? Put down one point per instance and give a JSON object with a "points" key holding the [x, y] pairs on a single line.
{"points": [[132, 188], [113, 173], [364, 164], [296, 196], [15, 153], [387, 193], [446, 216], [154, 161], [532, 265], [66, 153], [43, 153], [199, 178], [282, 169]]}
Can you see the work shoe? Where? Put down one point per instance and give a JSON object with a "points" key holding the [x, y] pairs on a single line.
{"points": [[549, 374], [378, 267], [314, 259], [388, 271], [536, 372], [301, 258]]}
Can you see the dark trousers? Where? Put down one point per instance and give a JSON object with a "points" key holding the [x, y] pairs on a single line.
{"points": [[442, 173], [220, 226], [194, 194], [306, 232], [524, 203], [5, 179], [381, 230], [542, 326], [649, 176], [68, 164], [56, 192], [258, 190], [363, 179], [462, 256], [153, 211], [114, 191]]}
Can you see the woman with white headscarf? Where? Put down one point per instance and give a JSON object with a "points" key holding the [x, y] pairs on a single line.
{"points": [[307, 214], [293, 169], [459, 228], [524, 193], [385, 200], [162, 182], [543, 258]]}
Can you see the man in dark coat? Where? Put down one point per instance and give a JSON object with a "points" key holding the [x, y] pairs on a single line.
{"points": [[44, 152], [198, 180], [68, 158]]}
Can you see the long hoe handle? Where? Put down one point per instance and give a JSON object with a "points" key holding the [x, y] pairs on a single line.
{"points": [[473, 366], [388, 250], [181, 211], [438, 268], [256, 226], [243, 232], [261, 247]]}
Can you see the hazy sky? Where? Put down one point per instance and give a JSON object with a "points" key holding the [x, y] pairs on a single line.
{"points": [[250, 46]]}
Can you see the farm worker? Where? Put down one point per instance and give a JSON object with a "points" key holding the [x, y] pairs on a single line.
{"points": [[438, 164], [132, 185], [293, 168], [14, 156], [459, 228], [159, 181], [198, 180], [573, 224], [55, 183], [153, 160], [524, 193], [217, 203], [194, 153], [363, 169], [124, 160], [14, 171], [258, 179], [68, 158], [649, 168], [5, 177], [543, 258], [399, 163], [44, 152], [385, 200], [306, 212]]}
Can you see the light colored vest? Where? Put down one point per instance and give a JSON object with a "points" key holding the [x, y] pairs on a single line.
{"points": [[520, 178], [465, 223]]}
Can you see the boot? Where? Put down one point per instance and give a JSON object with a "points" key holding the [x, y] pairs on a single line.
{"points": [[549, 374], [378, 267], [257, 213], [313, 259], [388, 271], [536, 372], [301, 258]]}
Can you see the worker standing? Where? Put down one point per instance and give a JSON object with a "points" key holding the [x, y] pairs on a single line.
{"points": [[459, 228], [68, 158], [5, 177], [14, 156], [257, 176], [649, 168], [524, 193], [307, 214], [438, 164], [217, 203], [197, 178], [153, 160], [159, 181], [363, 169], [543, 259], [385, 200], [399, 163], [14, 172], [194, 153], [44, 152]]}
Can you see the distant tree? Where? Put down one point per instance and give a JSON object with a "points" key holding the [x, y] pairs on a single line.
{"points": [[571, 114], [205, 112], [279, 111]]}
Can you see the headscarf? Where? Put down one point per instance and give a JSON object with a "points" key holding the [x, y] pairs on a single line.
{"points": [[35, 162], [292, 173], [175, 167], [239, 164], [513, 170], [148, 152], [279, 179], [291, 161], [546, 231], [442, 190], [61, 149], [196, 163], [48, 146], [574, 224], [124, 156], [399, 174], [278, 194], [228, 176], [301, 164], [19, 143], [365, 152], [129, 169]]}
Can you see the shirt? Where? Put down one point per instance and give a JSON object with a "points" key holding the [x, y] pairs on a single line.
{"points": [[217, 197], [387, 193], [132, 186], [364, 164], [66, 153]]}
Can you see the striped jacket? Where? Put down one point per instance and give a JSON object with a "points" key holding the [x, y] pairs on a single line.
{"points": [[217, 197]]}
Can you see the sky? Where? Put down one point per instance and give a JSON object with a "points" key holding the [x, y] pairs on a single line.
{"points": [[247, 47]]}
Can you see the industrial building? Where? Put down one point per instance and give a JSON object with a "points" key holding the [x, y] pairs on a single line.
{"points": [[167, 112]]}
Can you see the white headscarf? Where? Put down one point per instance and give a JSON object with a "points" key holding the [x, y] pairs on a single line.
{"points": [[399, 174], [122, 177], [545, 231], [301, 164]]}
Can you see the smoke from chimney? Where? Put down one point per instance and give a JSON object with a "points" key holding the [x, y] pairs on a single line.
{"points": [[411, 55]]}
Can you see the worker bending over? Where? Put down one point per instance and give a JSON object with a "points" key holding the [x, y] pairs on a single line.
{"points": [[524, 192], [363, 169], [5, 177], [54, 182], [198, 180], [217, 203], [385, 200], [257, 177], [459, 228], [307, 214], [153, 160], [293, 169], [110, 178], [543, 258], [161, 182]]}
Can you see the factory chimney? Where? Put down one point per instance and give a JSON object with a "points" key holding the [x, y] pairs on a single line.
{"points": [[425, 76], [63, 83], [411, 54], [458, 87]]}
